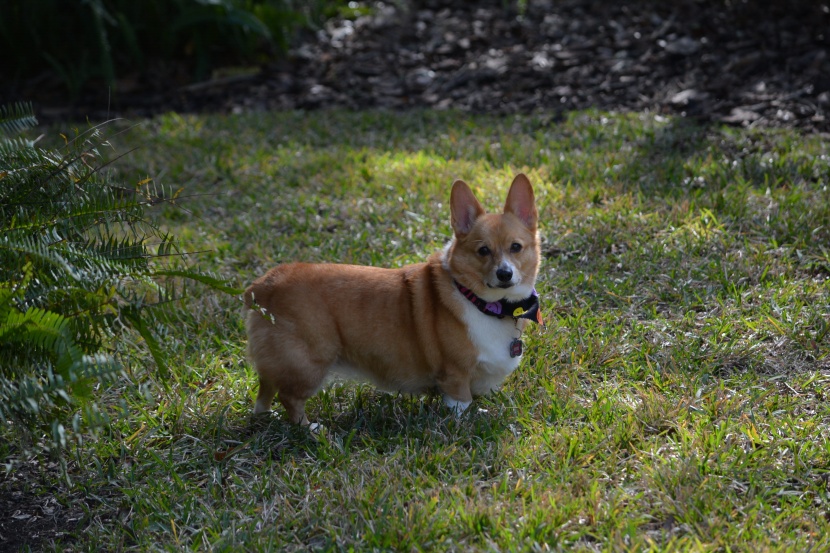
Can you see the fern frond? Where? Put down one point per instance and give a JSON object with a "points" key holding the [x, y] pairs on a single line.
{"points": [[17, 118], [9, 146], [30, 247]]}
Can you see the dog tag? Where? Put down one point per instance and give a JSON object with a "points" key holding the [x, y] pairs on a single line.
{"points": [[515, 348]]}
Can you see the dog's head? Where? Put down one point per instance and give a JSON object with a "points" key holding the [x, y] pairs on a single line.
{"points": [[495, 255]]}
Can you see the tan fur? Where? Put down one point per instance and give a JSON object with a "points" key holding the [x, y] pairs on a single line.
{"points": [[403, 329]]}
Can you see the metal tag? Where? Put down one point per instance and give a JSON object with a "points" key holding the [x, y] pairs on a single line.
{"points": [[515, 348]]}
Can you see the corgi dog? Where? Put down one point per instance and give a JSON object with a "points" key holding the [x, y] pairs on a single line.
{"points": [[452, 323]]}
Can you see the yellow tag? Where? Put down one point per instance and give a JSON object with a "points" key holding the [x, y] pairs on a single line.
{"points": [[518, 311]]}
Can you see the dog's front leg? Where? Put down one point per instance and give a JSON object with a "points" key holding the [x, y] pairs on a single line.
{"points": [[457, 394], [458, 407]]}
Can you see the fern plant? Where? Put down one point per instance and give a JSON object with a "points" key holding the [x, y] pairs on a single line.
{"points": [[80, 262]]}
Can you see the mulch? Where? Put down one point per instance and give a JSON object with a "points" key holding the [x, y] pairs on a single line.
{"points": [[741, 62]]}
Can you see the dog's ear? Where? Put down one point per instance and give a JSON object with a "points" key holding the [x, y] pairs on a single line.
{"points": [[521, 202], [464, 207]]}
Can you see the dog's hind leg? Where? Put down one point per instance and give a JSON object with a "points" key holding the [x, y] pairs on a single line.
{"points": [[292, 384], [294, 408], [265, 396]]}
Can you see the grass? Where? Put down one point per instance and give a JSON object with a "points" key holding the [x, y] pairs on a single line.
{"points": [[676, 402]]}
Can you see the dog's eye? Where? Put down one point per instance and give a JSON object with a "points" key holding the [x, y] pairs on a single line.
{"points": [[515, 247], [483, 250]]}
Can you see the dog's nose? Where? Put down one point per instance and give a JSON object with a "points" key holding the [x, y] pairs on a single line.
{"points": [[504, 274]]}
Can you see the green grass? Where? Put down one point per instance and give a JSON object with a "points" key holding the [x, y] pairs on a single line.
{"points": [[676, 402]]}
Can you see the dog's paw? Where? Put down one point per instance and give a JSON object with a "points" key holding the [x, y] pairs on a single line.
{"points": [[456, 406], [263, 416]]}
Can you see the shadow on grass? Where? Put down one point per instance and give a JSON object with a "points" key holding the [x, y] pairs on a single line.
{"points": [[361, 419]]}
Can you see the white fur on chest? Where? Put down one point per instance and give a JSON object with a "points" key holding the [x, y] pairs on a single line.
{"points": [[491, 337]]}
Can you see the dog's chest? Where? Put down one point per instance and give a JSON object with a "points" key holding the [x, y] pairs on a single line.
{"points": [[492, 337]]}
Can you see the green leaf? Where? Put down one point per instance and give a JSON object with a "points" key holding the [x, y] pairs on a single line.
{"points": [[213, 282], [17, 118]]}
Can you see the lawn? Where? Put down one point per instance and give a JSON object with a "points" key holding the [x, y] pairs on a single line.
{"points": [[677, 400]]}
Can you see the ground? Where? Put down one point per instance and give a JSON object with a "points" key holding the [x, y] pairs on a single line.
{"points": [[29, 514], [713, 61], [734, 62]]}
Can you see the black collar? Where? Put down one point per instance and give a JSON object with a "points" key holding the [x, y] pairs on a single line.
{"points": [[527, 308]]}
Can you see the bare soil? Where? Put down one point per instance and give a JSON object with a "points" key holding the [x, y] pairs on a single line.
{"points": [[30, 513]]}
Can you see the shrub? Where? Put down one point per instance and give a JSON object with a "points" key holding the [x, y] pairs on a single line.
{"points": [[80, 263], [105, 39]]}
